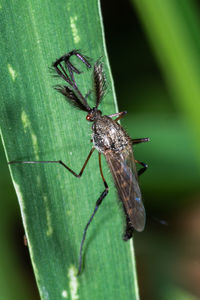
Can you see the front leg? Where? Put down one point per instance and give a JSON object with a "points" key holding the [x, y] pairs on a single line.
{"points": [[58, 162], [118, 115]]}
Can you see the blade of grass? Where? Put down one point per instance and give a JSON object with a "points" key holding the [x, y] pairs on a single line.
{"points": [[173, 29], [36, 124]]}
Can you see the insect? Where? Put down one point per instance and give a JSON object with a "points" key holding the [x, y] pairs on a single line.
{"points": [[110, 139]]}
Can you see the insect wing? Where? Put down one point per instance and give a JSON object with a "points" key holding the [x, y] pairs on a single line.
{"points": [[123, 169]]}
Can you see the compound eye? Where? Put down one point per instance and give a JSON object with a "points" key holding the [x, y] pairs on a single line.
{"points": [[89, 117]]}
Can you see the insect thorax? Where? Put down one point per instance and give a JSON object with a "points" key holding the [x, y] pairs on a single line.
{"points": [[108, 135]]}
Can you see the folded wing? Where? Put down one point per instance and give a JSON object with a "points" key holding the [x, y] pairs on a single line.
{"points": [[123, 169]]}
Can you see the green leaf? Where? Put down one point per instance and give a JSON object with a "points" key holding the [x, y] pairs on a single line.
{"points": [[37, 124]]}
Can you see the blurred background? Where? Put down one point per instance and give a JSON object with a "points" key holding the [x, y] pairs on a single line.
{"points": [[154, 51]]}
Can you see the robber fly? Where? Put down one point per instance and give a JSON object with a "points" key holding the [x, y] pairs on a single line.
{"points": [[110, 139]]}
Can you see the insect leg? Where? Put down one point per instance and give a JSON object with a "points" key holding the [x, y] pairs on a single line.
{"points": [[58, 162], [118, 115], [144, 167], [98, 203], [138, 141]]}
